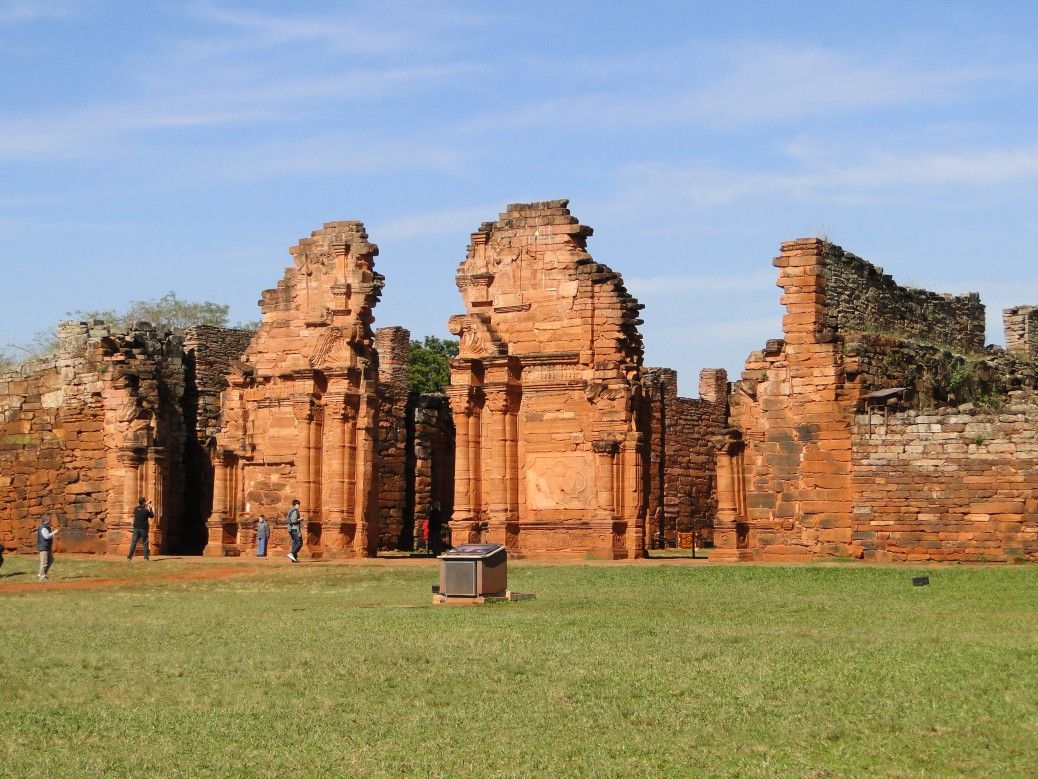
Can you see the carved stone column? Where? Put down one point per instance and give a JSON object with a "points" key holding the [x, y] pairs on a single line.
{"points": [[215, 525], [729, 482], [349, 467], [497, 471], [120, 526], [632, 494], [365, 538], [332, 475], [512, 456], [153, 491], [476, 461], [303, 412], [463, 516], [605, 466]]}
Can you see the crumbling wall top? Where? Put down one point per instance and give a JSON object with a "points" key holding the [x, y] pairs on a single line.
{"points": [[530, 287], [860, 297], [320, 313]]}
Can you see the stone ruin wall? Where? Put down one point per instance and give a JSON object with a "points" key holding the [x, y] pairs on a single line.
{"points": [[682, 460], [431, 457], [860, 297], [395, 499], [86, 432], [545, 392], [800, 477], [947, 484], [1021, 328]]}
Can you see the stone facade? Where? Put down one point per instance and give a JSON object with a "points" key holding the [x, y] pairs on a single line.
{"points": [[299, 419], [806, 470], [551, 451], [681, 494], [85, 433]]}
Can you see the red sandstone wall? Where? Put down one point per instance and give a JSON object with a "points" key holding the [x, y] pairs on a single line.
{"points": [[947, 485], [801, 476], [51, 458], [84, 433], [794, 408]]}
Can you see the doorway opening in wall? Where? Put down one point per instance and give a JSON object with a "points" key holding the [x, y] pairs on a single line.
{"points": [[691, 539]]}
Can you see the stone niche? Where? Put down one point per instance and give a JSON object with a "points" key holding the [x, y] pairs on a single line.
{"points": [[546, 393], [299, 418]]}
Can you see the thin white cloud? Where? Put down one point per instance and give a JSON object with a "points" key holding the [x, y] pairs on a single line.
{"points": [[251, 69], [757, 84], [334, 153], [280, 100], [876, 175], [252, 29], [18, 11]]}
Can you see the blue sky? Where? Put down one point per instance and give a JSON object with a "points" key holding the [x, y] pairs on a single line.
{"points": [[149, 147]]}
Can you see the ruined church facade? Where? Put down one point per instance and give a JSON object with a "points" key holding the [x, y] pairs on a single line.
{"points": [[551, 448], [300, 415]]}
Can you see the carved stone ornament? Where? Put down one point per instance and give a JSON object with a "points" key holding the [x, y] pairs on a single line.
{"points": [[476, 339], [333, 350]]}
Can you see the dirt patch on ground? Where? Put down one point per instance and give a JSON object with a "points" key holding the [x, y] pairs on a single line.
{"points": [[200, 574]]}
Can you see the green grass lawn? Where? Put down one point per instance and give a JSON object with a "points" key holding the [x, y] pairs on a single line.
{"points": [[668, 669]]}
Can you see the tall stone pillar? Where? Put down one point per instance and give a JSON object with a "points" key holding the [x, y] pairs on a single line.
{"points": [[729, 482], [349, 470], [153, 491], [219, 517], [304, 479], [512, 459], [476, 476], [633, 499], [462, 519], [366, 505], [497, 472], [333, 477], [120, 527]]}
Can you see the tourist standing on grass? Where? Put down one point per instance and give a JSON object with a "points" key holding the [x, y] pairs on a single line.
{"points": [[141, 515], [434, 534], [45, 546], [295, 530], [262, 534]]}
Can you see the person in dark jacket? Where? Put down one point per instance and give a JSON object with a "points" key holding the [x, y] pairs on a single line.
{"points": [[435, 538], [295, 530], [45, 546], [141, 514]]}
